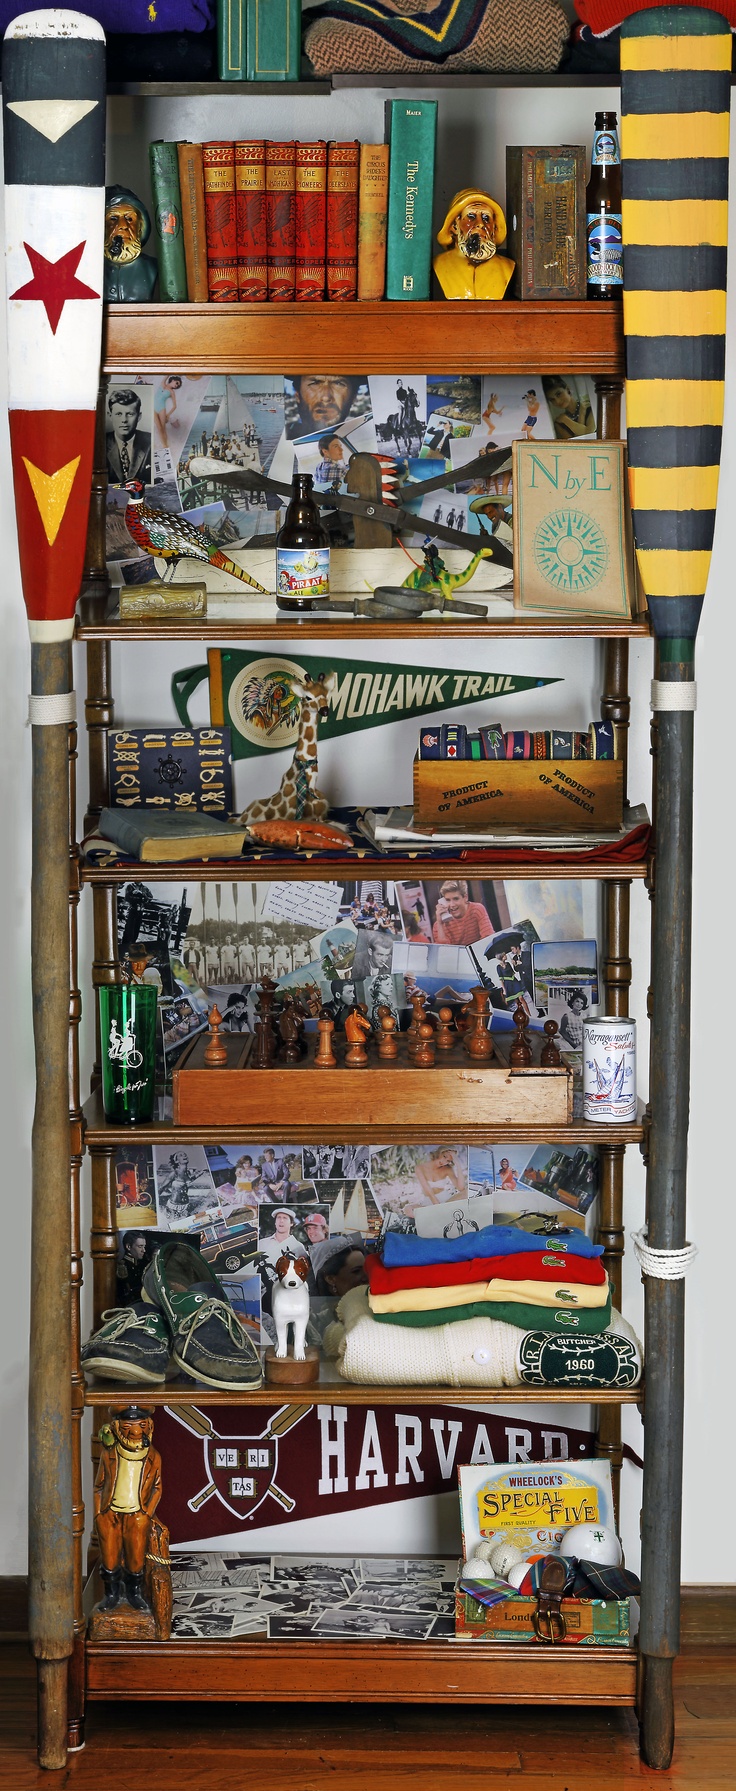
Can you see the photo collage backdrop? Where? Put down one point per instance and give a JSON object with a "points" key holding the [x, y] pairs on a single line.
{"points": [[277, 424], [368, 940]]}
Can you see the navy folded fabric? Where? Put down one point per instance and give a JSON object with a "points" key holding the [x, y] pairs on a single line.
{"points": [[401, 1252], [139, 16]]}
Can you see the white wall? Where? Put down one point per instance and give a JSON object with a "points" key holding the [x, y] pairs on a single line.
{"points": [[474, 128]]}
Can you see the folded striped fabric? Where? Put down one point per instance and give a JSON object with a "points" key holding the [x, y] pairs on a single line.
{"points": [[402, 1252], [527, 1266], [587, 1321], [538, 1293]]}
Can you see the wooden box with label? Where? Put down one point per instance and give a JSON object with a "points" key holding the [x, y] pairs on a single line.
{"points": [[530, 795], [591, 1621]]}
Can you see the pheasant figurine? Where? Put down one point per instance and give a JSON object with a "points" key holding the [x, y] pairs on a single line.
{"points": [[171, 538]]}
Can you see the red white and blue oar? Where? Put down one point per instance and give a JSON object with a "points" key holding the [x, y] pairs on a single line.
{"points": [[54, 136]]}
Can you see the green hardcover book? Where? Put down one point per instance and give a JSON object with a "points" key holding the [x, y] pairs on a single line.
{"points": [[411, 130], [273, 40], [172, 267], [231, 39]]}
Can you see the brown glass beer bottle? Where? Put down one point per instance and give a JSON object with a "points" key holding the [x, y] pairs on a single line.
{"points": [[302, 552], [604, 251]]}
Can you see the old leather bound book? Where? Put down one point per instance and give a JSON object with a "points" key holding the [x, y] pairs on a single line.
{"points": [[191, 184], [310, 220], [343, 171], [218, 163], [280, 227], [372, 220], [250, 214]]}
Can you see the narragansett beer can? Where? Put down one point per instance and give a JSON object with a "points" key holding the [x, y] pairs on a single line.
{"points": [[609, 1070]]}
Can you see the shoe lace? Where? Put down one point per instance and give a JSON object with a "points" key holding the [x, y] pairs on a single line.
{"points": [[119, 1319], [211, 1309]]}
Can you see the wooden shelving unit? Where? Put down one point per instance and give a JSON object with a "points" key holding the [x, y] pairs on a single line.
{"points": [[504, 338]]}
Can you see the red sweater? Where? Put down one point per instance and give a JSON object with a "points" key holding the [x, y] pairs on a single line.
{"points": [[526, 1266]]}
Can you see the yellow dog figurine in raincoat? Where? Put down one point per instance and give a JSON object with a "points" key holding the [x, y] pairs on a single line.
{"points": [[471, 267]]}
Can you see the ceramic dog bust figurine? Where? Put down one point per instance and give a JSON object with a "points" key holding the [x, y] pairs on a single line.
{"points": [[290, 1305], [471, 267]]}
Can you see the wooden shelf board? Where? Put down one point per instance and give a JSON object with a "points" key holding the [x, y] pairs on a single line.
{"points": [[514, 625], [100, 1135], [365, 1672], [331, 1386], [399, 865], [397, 82], [463, 337], [217, 89]]}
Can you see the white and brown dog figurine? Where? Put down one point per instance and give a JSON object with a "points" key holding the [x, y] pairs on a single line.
{"points": [[290, 1305]]}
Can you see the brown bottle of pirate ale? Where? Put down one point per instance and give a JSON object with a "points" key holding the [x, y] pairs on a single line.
{"points": [[604, 247], [302, 552]]}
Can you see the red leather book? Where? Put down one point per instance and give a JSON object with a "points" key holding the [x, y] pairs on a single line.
{"points": [[250, 214], [343, 177], [218, 167], [310, 219], [280, 237]]}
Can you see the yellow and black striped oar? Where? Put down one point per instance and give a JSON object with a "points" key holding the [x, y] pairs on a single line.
{"points": [[675, 99]]}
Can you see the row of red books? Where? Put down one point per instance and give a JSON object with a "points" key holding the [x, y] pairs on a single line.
{"points": [[285, 221]]}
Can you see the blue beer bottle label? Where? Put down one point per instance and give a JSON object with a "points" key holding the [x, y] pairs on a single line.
{"points": [[604, 249], [303, 571], [605, 149]]}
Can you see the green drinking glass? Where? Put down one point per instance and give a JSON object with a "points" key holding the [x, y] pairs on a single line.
{"points": [[128, 1050]]}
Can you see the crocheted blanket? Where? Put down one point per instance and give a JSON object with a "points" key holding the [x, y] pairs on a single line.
{"points": [[345, 36]]}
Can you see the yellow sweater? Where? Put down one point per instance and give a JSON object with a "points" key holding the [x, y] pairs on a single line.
{"points": [[522, 1293]]}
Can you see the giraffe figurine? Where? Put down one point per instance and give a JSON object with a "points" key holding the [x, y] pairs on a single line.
{"points": [[297, 797]]}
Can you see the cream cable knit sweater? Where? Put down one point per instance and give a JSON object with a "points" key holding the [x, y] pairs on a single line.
{"points": [[472, 1352]]}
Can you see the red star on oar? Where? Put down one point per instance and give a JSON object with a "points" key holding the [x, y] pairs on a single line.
{"points": [[54, 282]]}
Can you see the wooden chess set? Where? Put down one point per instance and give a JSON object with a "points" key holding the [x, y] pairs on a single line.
{"points": [[353, 1081]]}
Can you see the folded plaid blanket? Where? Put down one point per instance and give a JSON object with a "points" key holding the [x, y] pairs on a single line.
{"points": [[350, 35]]}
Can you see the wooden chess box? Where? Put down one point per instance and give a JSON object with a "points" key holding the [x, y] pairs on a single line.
{"points": [[388, 1094], [544, 795]]}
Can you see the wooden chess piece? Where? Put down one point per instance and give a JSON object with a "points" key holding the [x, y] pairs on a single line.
{"points": [[418, 1002], [446, 1033], [290, 1031], [388, 1044], [133, 1543], [325, 1058], [550, 1056], [424, 1049], [265, 1034], [215, 1052], [477, 1040], [357, 1029], [520, 1055]]}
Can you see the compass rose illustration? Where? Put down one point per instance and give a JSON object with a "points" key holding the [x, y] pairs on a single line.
{"points": [[570, 550]]}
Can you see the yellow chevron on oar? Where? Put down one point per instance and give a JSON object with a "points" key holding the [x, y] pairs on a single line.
{"points": [[51, 491], [675, 105]]}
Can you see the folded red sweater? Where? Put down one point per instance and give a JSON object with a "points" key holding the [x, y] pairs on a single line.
{"points": [[526, 1266], [605, 15]]}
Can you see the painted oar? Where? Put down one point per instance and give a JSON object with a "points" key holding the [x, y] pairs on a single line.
{"points": [[675, 101], [54, 136]]}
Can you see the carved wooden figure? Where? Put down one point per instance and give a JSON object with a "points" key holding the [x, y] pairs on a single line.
{"points": [[388, 1044], [265, 1038], [446, 1035], [357, 1030], [550, 1055], [297, 797], [127, 1492], [477, 1040], [520, 1055], [215, 1053], [325, 1058]]}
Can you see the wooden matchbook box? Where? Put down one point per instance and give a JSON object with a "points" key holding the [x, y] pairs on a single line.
{"points": [[387, 1094], [530, 795]]}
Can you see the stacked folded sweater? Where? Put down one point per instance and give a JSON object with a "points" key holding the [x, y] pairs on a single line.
{"points": [[533, 1283]]}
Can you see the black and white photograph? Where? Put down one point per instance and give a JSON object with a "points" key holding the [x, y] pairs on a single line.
{"points": [[323, 1162], [128, 432], [399, 412], [185, 1190]]}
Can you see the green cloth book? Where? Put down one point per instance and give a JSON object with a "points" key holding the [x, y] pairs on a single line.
{"points": [[231, 39], [273, 40], [411, 131], [170, 836], [172, 267]]}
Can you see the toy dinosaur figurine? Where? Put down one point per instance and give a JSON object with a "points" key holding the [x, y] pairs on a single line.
{"points": [[171, 538], [434, 576]]}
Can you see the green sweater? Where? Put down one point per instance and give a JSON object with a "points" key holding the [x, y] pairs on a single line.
{"points": [[589, 1321]]}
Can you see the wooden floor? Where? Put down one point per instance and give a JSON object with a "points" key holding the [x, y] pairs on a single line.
{"points": [[383, 1748]]}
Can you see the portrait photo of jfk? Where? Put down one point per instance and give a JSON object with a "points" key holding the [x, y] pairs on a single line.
{"points": [[128, 433], [315, 403]]}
